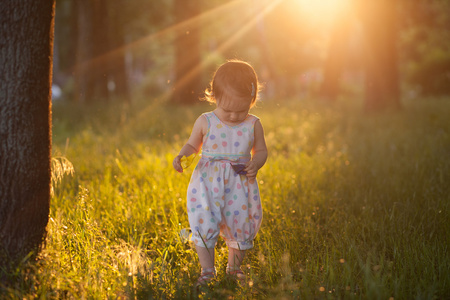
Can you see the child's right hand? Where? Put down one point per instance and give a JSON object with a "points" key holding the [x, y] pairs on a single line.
{"points": [[177, 164], [252, 170]]}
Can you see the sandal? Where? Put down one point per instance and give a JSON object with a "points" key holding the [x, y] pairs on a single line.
{"points": [[206, 276], [237, 273]]}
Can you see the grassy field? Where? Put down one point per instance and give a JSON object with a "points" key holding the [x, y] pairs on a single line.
{"points": [[356, 206]]}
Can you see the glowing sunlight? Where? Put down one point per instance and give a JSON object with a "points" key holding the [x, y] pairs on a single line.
{"points": [[320, 11]]}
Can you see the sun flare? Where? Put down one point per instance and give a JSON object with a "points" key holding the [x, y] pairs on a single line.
{"points": [[320, 10]]}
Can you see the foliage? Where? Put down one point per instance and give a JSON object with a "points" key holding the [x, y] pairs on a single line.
{"points": [[423, 45], [61, 166], [432, 74], [356, 206]]}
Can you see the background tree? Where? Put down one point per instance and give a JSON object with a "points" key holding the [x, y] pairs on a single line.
{"points": [[153, 48], [98, 64], [337, 57], [25, 132], [382, 86], [82, 78], [117, 29], [92, 45], [424, 46], [187, 85]]}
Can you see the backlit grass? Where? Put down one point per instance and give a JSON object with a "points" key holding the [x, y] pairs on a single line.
{"points": [[355, 206]]}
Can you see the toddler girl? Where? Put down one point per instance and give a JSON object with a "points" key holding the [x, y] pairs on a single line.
{"points": [[223, 196]]}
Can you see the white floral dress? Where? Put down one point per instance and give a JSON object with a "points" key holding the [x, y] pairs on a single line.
{"points": [[219, 200]]}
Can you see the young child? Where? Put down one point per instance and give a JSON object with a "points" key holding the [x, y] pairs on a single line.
{"points": [[223, 196]]}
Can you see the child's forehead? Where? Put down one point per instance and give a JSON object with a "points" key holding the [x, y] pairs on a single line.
{"points": [[234, 104]]}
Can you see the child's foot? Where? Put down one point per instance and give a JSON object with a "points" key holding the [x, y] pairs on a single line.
{"points": [[237, 273], [206, 276]]}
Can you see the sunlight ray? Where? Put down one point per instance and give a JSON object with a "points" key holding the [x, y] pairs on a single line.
{"points": [[100, 61], [226, 44]]}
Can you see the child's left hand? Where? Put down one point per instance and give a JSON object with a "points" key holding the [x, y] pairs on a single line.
{"points": [[177, 164], [252, 169]]}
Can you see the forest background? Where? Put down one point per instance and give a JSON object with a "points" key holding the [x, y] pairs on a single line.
{"points": [[105, 49], [355, 108]]}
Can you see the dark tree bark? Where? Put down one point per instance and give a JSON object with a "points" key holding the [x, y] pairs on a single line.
{"points": [[26, 37], [187, 86], [382, 89]]}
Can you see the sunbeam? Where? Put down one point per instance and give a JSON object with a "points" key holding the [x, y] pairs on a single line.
{"points": [[179, 28], [259, 12]]}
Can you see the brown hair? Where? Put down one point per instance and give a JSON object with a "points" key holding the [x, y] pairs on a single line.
{"points": [[235, 79]]}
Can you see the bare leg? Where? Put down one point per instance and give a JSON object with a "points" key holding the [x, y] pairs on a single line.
{"points": [[235, 257], [206, 257]]}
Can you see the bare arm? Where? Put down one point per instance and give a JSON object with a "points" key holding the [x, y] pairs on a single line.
{"points": [[259, 152], [194, 142]]}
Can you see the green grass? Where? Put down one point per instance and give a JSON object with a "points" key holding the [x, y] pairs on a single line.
{"points": [[355, 206]]}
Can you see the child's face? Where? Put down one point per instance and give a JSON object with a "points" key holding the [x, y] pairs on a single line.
{"points": [[233, 111]]}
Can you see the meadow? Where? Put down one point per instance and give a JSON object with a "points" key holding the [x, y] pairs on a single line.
{"points": [[356, 206]]}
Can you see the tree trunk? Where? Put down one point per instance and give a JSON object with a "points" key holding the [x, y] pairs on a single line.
{"points": [[82, 77], [381, 60], [187, 86], [99, 64], [117, 41], [337, 50], [91, 70], [26, 35]]}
